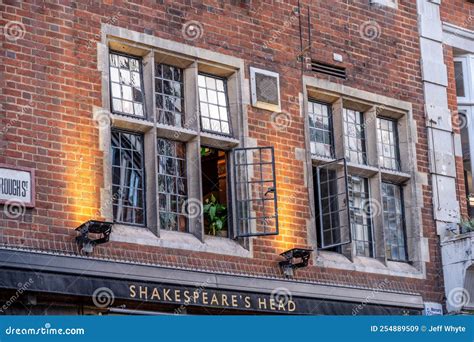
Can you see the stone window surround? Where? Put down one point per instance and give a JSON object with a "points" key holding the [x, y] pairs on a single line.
{"points": [[371, 104], [193, 60]]}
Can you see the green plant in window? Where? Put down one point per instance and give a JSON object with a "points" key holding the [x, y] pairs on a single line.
{"points": [[215, 214], [467, 225], [205, 151]]}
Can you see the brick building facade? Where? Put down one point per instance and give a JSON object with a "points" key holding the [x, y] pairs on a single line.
{"points": [[352, 98]]}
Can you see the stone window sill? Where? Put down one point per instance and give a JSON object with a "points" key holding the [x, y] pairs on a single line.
{"points": [[177, 240], [367, 265]]}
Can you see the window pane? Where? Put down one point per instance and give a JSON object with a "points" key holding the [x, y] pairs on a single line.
{"points": [[128, 178], [354, 136], [387, 140], [459, 77], [255, 191], [213, 104], [361, 215], [332, 210], [320, 127], [126, 84], [172, 185], [169, 94], [394, 222]]}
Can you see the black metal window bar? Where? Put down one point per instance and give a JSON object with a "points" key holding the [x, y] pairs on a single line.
{"points": [[126, 85], [128, 188], [321, 129], [333, 204], [387, 139], [394, 222], [255, 192], [169, 94], [361, 215], [354, 137], [172, 185]]}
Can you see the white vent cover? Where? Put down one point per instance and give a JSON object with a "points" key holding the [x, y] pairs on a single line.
{"points": [[265, 87], [389, 3]]}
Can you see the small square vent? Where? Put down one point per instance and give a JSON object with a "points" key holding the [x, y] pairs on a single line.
{"points": [[265, 86]]}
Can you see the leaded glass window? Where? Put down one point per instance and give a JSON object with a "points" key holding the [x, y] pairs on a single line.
{"points": [[169, 93], [320, 128], [354, 136], [394, 222], [126, 85], [214, 107], [459, 78], [172, 185], [387, 139], [128, 178], [332, 210], [361, 216]]}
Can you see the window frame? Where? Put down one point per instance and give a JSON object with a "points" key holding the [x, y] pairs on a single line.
{"points": [[219, 66], [396, 145], [163, 95], [158, 193], [369, 224], [371, 106], [338, 210], [363, 140], [467, 62], [140, 64], [231, 132], [403, 225], [331, 128], [237, 232], [144, 191]]}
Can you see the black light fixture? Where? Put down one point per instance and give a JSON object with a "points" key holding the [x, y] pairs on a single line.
{"points": [[294, 258], [85, 243]]}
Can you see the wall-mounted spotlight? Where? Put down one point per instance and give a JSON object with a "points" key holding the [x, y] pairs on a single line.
{"points": [[85, 243], [294, 258]]}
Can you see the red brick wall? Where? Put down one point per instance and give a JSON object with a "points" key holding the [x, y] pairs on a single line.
{"points": [[458, 12], [52, 82]]}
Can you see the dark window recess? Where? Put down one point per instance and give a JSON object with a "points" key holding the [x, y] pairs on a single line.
{"points": [[128, 192], [169, 93], [255, 192], [215, 191], [172, 185], [387, 140], [266, 88], [459, 78], [394, 222], [126, 85], [328, 69], [361, 215], [332, 209], [354, 136]]}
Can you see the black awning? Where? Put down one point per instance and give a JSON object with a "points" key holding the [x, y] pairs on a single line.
{"points": [[201, 295]]}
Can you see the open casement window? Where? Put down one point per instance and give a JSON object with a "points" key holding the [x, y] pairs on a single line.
{"points": [[333, 204], [255, 192]]}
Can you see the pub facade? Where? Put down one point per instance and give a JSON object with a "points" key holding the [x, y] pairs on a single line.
{"points": [[222, 157]]}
